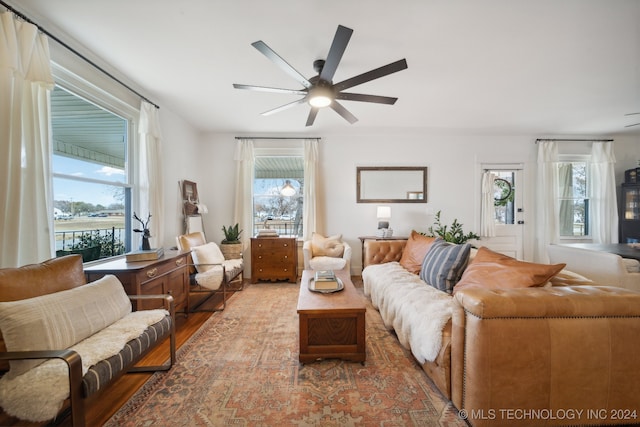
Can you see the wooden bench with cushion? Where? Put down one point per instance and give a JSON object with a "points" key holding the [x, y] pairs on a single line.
{"points": [[67, 340]]}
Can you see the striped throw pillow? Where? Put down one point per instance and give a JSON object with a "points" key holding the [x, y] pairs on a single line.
{"points": [[444, 264]]}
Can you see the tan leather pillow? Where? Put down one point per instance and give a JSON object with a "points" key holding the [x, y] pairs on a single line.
{"points": [[331, 246], [414, 251], [492, 270]]}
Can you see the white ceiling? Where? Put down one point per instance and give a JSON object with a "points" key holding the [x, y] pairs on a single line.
{"points": [[542, 67]]}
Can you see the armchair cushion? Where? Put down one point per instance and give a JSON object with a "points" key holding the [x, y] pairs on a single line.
{"points": [[331, 246], [206, 256], [62, 319]]}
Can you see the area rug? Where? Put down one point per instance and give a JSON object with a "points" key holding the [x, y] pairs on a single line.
{"points": [[241, 369]]}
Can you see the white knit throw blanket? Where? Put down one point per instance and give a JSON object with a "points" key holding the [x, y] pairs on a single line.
{"points": [[416, 311], [38, 394]]}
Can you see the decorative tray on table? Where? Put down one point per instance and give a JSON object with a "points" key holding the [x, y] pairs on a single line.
{"points": [[312, 287]]}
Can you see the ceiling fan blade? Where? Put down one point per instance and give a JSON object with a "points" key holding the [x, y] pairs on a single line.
{"points": [[371, 75], [270, 89], [631, 114], [284, 65], [628, 126], [338, 46], [366, 98], [312, 116], [338, 108], [284, 107]]}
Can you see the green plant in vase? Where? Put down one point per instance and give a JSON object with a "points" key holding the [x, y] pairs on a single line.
{"points": [[231, 246], [453, 233]]}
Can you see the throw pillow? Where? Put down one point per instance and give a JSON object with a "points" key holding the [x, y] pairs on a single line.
{"points": [[414, 251], [206, 256], [331, 246], [492, 270], [59, 320], [444, 263]]}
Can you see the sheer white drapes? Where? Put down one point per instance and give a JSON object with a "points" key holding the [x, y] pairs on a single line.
{"points": [[150, 175], [604, 204], [487, 208], [547, 227], [25, 149], [310, 184], [243, 208]]}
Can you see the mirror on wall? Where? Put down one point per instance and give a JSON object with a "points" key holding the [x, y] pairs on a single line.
{"points": [[391, 184]]}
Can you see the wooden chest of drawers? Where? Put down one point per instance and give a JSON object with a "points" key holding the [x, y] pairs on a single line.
{"points": [[167, 275], [274, 258]]}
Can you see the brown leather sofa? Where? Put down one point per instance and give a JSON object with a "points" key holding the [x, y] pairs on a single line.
{"points": [[66, 273], [544, 356]]}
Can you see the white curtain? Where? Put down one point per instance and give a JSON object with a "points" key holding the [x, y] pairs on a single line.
{"points": [[150, 175], [487, 209], [243, 208], [547, 227], [604, 205], [310, 184], [25, 144]]}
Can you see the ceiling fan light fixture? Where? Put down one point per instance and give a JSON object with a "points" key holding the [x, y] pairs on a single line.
{"points": [[320, 97]]}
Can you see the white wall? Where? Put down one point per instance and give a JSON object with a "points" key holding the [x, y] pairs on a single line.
{"points": [[453, 179]]}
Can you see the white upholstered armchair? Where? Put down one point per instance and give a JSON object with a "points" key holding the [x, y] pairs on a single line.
{"points": [[601, 267], [326, 253]]}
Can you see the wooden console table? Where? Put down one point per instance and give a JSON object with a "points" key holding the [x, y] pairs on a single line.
{"points": [[166, 275]]}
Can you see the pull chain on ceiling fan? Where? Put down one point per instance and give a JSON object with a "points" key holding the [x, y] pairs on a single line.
{"points": [[320, 91]]}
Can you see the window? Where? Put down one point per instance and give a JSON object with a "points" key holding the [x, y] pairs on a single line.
{"points": [[573, 197], [504, 196], [91, 190], [278, 192]]}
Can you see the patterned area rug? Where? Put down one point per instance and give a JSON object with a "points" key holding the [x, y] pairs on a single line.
{"points": [[241, 369]]}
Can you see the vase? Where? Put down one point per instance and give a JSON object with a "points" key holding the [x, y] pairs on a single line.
{"points": [[231, 250]]}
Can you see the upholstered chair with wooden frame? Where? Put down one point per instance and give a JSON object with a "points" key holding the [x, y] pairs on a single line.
{"points": [[326, 253], [209, 271]]}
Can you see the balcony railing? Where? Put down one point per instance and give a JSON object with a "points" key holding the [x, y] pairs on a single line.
{"points": [[91, 244]]}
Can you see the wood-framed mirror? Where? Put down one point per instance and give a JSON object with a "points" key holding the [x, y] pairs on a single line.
{"points": [[391, 184]]}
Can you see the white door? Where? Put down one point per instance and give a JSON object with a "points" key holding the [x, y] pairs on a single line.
{"points": [[509, 213]]}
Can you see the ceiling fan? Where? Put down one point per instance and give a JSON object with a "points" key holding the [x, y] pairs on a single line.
{"points": [[635, 124], [320, 91]]}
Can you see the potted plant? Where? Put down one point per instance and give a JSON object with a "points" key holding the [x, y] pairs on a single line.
{"points": [[455, 234], [231, 246]]}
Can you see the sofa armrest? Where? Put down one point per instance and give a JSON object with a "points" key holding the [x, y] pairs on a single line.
{"points": [[382, 251], [170, 306], [73, 360], [545, 349]]}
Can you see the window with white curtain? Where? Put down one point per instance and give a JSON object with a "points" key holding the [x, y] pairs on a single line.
{"points": [[278, 195], [91, 185], [573, 196]]}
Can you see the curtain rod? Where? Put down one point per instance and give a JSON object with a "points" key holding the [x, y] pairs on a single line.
{"points": [[574, 140], [40, 28], [275, 137]]}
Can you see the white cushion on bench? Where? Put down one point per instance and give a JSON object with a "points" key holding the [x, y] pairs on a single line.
{"points": [[59, 320], [38, 394]]}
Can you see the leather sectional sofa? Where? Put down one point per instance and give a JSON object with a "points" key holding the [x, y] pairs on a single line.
{"points": [[516, 354]]}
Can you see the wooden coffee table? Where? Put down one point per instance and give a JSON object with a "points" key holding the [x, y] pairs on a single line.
{"points": [[332, 325]]}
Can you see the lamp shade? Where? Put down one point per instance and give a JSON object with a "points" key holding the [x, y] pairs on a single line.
{"points": [[287, 189], [384, 212]]}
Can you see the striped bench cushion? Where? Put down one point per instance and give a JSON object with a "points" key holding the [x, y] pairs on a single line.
{"points": [[103, 372]]}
